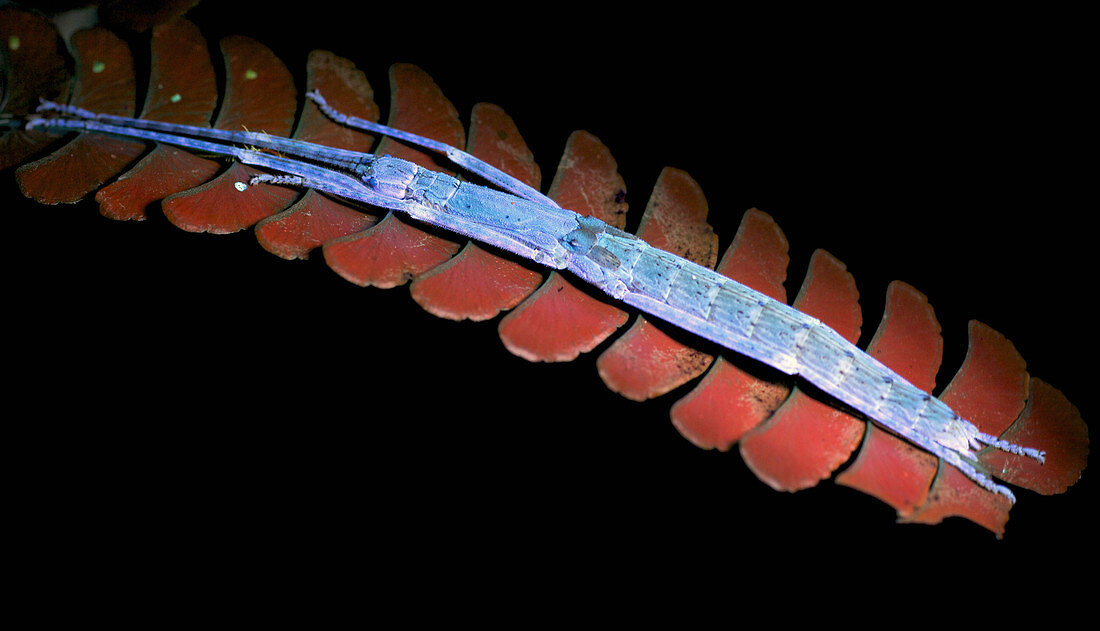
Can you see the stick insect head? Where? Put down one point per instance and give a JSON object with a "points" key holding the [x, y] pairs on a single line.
{"points": [[389, 176]]}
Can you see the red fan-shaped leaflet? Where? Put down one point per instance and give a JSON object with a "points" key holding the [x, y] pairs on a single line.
{"points": [[788, 435]]}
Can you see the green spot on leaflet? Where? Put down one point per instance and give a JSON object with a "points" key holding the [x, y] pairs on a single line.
{"points": [[98, 67], [13, 42], [250, 74], [175, 98]]}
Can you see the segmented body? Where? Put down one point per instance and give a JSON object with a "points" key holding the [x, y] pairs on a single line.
{"points": [[670, 287], [521, 226], [725, 311], [697, 299]]}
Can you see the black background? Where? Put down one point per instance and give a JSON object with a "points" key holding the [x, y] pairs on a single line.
{"points": [[218, 394]]}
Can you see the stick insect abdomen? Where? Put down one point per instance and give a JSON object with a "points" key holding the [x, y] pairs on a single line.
{"points": [[708, 303], [720, 309]]}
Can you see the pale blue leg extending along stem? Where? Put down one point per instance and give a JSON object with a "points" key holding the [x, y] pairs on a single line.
{"points": [[340, 158], [454, 154]]}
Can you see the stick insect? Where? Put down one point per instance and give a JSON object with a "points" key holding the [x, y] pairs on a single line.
{"points": [[523, 221]]}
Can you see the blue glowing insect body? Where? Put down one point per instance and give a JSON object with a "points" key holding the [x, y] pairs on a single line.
{"points": [[521, 220]]}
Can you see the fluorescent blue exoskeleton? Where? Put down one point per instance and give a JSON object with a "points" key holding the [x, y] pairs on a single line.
{"points": [[519, 219]]}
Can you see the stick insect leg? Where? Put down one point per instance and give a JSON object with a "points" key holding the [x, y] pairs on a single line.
{"points": [[981, 479], [339, 158], [455, 155], [93, 125], [297, 172], [1012, 448]]}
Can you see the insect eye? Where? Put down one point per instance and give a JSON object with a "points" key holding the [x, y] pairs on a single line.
{"points": [[579, 240]]}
